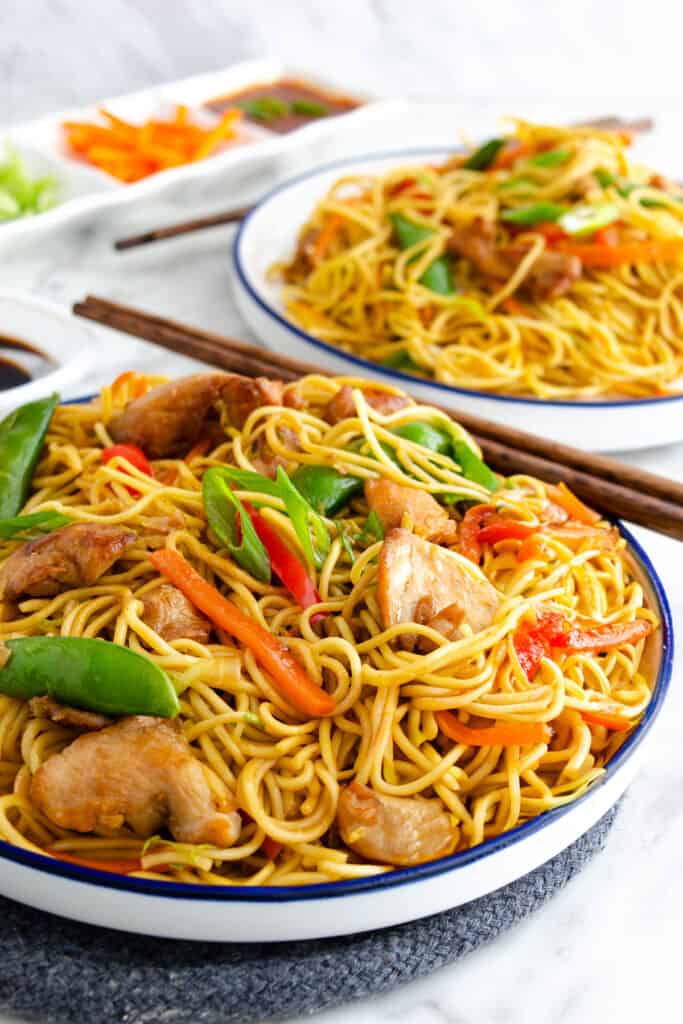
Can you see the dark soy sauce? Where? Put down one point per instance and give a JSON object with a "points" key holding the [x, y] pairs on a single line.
{"points": [[21, 362]]}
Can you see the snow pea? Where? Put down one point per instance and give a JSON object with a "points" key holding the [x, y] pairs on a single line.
{"points": [[550, 158], [22, 434], [325, 488], [586, 218], [473, 468], [427, 435], [483, 157], [534, 213], [400, 360], [437, 276], [90, 673]]}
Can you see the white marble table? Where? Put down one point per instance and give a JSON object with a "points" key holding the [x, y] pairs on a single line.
{"points": [[607, 948]]}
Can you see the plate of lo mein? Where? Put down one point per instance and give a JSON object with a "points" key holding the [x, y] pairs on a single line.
{"points": [[535, 279], [297, 645]]}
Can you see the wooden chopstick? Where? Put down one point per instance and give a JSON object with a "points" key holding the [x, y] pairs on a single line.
{"points": [[612, 487], [610, 123], [185, 228]]}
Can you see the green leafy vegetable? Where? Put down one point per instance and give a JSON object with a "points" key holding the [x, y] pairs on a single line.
{"points": [[605, 178], [231, 523], [518, 181], [32, 525], [326, 489], [483, 157], [310, 528], [372, 530]]}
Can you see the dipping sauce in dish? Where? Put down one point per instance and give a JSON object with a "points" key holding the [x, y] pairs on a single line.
{"points": [[285, 104], [20, 363]]}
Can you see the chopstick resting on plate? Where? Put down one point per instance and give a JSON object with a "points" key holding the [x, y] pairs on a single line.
{"points": [[613, 488], [609, 123]]}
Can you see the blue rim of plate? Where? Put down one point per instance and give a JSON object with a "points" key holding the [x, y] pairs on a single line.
{"points": [[401, 876], [406, 379]]}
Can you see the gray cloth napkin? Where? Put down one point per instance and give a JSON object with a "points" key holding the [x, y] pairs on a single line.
{"points": [[59, 972]]}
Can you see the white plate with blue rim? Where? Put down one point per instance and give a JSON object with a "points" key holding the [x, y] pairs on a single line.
{"points": [[268, 235], [281, 913]]}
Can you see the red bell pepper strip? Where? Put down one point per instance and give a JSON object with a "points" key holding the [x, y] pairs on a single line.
{"points": [[470, 528], [506, 529], [602, 637], [131, 453], [505, 734], [288, 675], [533, 641], [292, 572], [271, 847]]}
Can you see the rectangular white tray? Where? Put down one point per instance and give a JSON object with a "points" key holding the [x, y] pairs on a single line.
{"points": [[85, 189]]}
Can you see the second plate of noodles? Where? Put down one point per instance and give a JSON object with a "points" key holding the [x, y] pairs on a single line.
{"points": [[279, 635], [546, 263]]}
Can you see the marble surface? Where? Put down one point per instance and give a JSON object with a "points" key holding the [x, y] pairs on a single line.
{"points": [[606, 949]]}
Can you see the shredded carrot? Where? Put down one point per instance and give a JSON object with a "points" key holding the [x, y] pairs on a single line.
{"points": [[532, 547], [129, 385], [508, 156], [572, 505], [515, 308], [602, 257], [288, 675], [505, 734], [202, 446], [326, 237], [611, 721], [118, 867], [131, 152]]}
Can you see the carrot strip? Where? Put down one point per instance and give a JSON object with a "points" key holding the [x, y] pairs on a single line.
{"points": [[202, 446], [291, 680], [602, 257], [503, 735], [117, 867], [513, 307], [508, 156], [610, 720], [271, 847], [326, 236], [572, 505]]}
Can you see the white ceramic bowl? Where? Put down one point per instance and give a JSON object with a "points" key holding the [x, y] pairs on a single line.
{"points": [[269, 234], [251, 914], [65, 341]]}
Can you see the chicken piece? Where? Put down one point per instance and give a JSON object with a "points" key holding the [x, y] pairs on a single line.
{"points": [[392, 501], [552, 274], [265, 460], [74, 556], [244, 394], [402, 831], [169, 419], [342, 407], [303, 261], [412, 571], [168, 612], [46, 707], [140, 772]]}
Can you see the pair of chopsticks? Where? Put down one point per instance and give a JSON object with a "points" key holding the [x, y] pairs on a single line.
{"points": [[605, 124], [612, 487]]}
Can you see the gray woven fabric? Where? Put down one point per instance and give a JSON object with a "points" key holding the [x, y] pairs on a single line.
{"points": [[58, 972]]}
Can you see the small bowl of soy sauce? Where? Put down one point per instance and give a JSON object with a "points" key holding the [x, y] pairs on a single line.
{"points": [[43, 349]]}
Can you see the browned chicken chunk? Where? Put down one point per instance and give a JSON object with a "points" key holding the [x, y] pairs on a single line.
{"points": [[342, 407], [394, 830], [244, 394], [168, 612], [169, 419], [418, 581], [552, 274], [391, 501], [74, 556], [46, 707], [140, 772]]}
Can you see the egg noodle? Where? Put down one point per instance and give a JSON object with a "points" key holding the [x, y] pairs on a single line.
{"points": [[285, 772], [603, 317]]}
